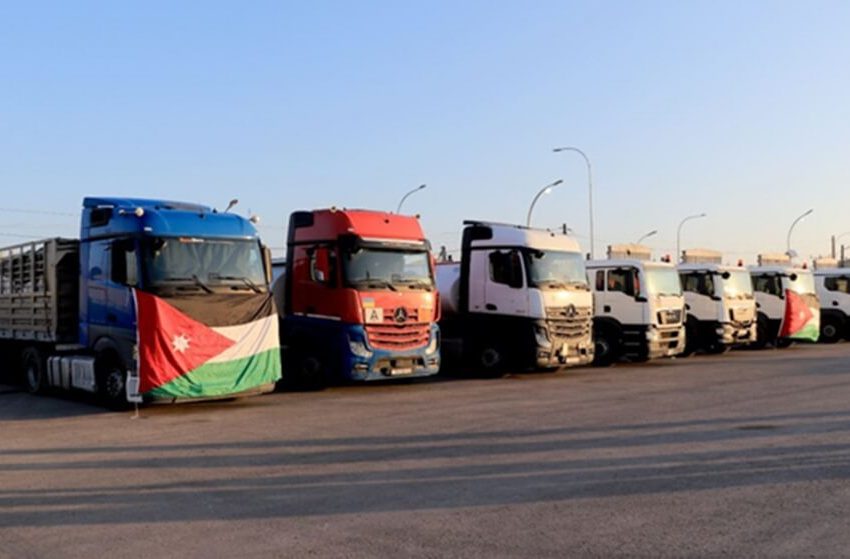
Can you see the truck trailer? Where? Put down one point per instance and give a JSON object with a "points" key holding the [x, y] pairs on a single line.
{"points": [[357, 298], [638, 306], [156, 301], [719, 302], [517, 298]]}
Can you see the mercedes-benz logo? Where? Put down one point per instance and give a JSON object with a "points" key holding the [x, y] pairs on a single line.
{"points": [[571, 311], [400, 315]]}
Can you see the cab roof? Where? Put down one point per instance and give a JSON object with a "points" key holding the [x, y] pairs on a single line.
{"points": [[328, 224], [507, 235]]}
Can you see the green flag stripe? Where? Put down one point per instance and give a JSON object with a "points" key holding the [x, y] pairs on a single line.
{"points": [[222, 379], [810, 331]]}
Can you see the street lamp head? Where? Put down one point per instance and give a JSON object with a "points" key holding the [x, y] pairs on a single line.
{"points": [[547, 190], [421, 186], [557, 182]]}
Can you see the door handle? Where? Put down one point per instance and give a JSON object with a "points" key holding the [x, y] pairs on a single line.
{"points": [[491, 307], [606, 308]]}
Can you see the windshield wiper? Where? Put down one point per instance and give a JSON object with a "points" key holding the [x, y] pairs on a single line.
{"points": [[253, 286], [374, 284], [416, 284], [201, 284]]}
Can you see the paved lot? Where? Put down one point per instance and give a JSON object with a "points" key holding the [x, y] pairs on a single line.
{"points": [[746, 454]]}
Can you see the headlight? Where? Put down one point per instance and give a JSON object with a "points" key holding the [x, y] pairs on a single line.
{"points": [[541, 336], [358, 348], [434, 344], [652, 335]]}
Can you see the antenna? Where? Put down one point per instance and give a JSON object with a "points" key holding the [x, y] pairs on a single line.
{"points": [[230, 205]]}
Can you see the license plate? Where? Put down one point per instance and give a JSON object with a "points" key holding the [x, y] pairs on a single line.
{"points": [[402, 371], [565, 350]]}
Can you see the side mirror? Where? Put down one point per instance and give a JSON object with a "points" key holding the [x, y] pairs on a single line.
{"points": [[319, 275], [640, 299]]}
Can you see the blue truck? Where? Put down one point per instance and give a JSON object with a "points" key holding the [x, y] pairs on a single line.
{"points": [[156, 301]]}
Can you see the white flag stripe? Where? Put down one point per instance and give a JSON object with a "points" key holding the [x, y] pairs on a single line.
{"points": [[251, 339]]}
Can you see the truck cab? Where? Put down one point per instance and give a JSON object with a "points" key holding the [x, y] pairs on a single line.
{"points": [[208, 267], [359, 299], [773, 278], [719, 302], [832, 284], [518, 297], [638, 306]]}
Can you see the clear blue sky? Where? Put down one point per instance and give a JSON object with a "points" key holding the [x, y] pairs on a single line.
{"points": [[737, 109]]}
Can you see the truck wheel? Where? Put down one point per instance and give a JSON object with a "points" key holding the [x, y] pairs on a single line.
{"points": [[717, 348], [112, 383], [304, 370], [606, 347], [782, 343], [34, 370], [830, 330]]}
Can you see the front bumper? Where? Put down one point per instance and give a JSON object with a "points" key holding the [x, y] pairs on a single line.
{"points": [[736, 334], [554, 351], [665, 341], [365, 363]]}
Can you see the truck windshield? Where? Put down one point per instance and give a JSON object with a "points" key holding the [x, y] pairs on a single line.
{"points": [[663, 281], [554, 269], [204, 262], [374, 268], [739, 285], [805, 282]]}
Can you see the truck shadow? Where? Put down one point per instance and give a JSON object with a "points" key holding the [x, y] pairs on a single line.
{"points": [[354, 475]]}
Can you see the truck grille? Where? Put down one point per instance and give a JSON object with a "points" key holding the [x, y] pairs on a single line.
{"points": [[398, 336], [670, 316], [569, 322]]}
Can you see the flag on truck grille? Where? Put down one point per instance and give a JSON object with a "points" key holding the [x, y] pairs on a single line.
{"points": [[802, 317], [228, 345]]}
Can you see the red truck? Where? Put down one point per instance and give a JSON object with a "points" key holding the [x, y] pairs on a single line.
{"points": [[357, 298]]}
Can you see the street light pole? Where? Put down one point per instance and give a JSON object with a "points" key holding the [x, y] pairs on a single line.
{"points": [[836, 238], [589, 186], [403, 198], [679, 234], [545, 190], [651, 233], [790, 229]]}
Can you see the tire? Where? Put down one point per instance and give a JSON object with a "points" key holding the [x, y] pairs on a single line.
{"points": [[111, 382], [306, 372], [782, 343], [606, 347], [830, 330], [691, 344], [717, 348], [34, 371], [485, 360]]}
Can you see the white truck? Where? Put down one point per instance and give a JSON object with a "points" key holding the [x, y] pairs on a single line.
{"points": [[517, 298], [773, 278], [832, 284], [720, 306], [638, 306]]}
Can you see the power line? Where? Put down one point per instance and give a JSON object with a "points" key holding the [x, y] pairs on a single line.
{"points": [[41, 212]]}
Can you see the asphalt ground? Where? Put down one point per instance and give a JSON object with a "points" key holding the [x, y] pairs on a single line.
{"points": [[741, 455]]}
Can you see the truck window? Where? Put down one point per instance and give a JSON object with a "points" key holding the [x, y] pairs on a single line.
{"points": [[600, 280], [124, 264], [98, 260], [700, 283], [622, 281], [839, 284], [506, 268], [769, 284]]}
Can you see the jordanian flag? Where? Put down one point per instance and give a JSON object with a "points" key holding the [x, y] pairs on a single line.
{"points": [[206, 347], [802, 317]]}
